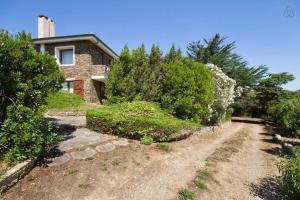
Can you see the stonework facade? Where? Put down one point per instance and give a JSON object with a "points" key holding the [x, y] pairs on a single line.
{"points": [[90, 61]]}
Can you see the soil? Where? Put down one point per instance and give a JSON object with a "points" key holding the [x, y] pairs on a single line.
{"points": [[144, 172]]}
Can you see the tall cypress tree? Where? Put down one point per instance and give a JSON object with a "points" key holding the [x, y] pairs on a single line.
{"points": [[173, 55], [115, 86], [152, 85]]}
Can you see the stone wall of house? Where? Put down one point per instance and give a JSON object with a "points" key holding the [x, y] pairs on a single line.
{"points": [[89, 61]]}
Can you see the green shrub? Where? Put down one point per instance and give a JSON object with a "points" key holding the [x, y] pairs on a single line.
{"points": [[181, 85], [64, 101], [286, 113], [147, 140], [290, 169], [185, 194], [25, 134], [188, 89], [26, 76], [163, 147], [136, 119]]}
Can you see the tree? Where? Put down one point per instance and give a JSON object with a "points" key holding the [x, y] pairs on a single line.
{"points": [[216, 52], [26, 76], [114, 88], [173, 55], [270, 90], [153, 83], [213, 52]]}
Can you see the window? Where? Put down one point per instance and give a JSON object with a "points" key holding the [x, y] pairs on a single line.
{"points": [[65, 55], [68, 86]]}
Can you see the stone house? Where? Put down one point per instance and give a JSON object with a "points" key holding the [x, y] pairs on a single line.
{"points": [[84, 59]]}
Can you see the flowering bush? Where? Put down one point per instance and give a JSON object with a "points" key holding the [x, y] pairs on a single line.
{"points": [[224, 94]]}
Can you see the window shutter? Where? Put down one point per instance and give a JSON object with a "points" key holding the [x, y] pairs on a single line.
{"points": [[78, 87]]}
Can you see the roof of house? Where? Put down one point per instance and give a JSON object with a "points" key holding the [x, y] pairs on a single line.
{"points": [[71, 38]]}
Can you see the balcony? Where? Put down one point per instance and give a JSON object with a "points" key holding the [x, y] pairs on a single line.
{"points": [[99, 72]]}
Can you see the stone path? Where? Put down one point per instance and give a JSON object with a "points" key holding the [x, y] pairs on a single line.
{"points": [[81, 143]]}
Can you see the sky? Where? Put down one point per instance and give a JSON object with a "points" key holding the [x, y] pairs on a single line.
{"points": [[265, 31]]}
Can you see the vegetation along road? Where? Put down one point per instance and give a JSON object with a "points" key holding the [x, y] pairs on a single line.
{"points": [[238, 160]]}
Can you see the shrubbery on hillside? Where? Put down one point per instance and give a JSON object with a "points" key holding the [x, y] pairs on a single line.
{"points": [[26, 78], [290, 169], [286, 113], [185, 87], [188, 89], [63, 101], [25, 134], [135, 120]]}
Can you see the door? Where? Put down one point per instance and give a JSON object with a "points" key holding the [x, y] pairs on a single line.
{"points": [[78, 87]]}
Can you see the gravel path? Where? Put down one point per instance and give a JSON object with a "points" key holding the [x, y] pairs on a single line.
{"points": [[251, 173], [136, 172]]}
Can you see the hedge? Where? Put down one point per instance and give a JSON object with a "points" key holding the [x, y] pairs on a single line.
{"points": [[136, 119]]}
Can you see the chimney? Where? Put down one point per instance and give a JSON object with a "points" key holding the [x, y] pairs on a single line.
{"points": [[46, 27]]}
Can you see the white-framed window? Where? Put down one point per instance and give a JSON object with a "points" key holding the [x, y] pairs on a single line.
{"points": [[68, 86], [65, 55]]}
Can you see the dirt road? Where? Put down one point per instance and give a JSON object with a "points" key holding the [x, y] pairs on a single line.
{"points": [[139, 172]]}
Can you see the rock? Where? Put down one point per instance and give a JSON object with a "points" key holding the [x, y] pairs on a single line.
{"points": [[288, 149], [105, 148], [59, 160], [121, 142], [81, 155], [277, 138]]}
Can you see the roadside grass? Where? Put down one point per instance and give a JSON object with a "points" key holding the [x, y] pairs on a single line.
{"points": [[163, 147], [202, 174], [136, 163], [115, 162], [2, 172], [71, 172], [104, 167], [200, 184], [221, 154], [147, 157], [185, 194], [31, 178], [135, 120], [84, 185], [65, 102], [146, 140]]}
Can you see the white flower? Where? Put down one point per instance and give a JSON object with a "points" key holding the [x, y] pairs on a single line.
{"points": [[225, 87]]}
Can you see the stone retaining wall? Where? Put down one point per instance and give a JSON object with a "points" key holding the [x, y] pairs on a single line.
{"points": [[13, 175], [183, 134], [81, 113]]}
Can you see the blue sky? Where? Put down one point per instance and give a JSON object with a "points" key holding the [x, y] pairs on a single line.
{"points": [[263, 31]]}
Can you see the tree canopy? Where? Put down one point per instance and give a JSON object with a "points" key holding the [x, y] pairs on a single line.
{"points": [[219, 53], [26, 76]]}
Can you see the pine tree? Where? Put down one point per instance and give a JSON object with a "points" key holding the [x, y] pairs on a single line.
{"points": [[152, 85], [115, 86], [215, 51], [173, 55]]}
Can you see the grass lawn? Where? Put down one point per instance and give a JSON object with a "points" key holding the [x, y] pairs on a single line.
{"points": [[65, 102], [136, 119]]}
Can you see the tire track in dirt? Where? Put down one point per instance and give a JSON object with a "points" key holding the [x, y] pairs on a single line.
{"points": [[250, 174], [160, 177], [163, 177]]}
